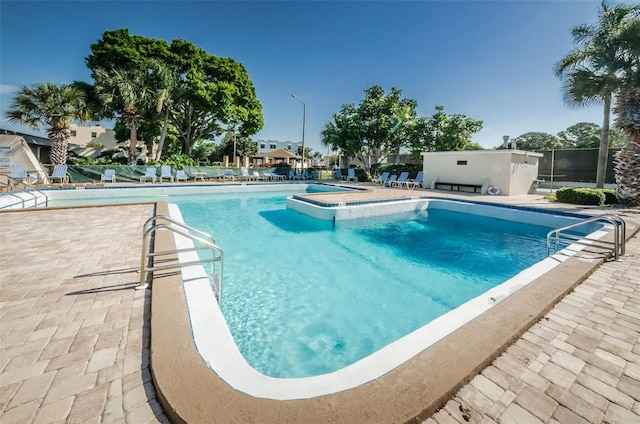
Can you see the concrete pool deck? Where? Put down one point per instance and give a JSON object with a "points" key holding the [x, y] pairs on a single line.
{"points": [[75, 339]]}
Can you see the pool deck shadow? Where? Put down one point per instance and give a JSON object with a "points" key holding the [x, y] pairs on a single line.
{"points": [[71, 350]]}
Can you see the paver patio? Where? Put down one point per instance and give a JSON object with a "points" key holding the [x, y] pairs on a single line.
{"points": [[74, 334]]}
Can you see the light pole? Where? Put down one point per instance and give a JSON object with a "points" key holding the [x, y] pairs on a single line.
{"points": [[304, 122]]}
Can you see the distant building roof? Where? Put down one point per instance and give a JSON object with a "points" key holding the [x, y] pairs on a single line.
{"points": [[278, 154]]}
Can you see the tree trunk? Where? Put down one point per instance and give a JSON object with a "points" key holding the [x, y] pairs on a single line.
{"points": [[603, 153], [133, 141], [163, 135]]}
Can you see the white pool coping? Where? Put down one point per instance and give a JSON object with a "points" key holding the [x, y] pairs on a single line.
{"points": [[218, 349]]}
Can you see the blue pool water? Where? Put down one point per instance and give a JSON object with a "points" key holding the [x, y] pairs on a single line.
{"points": [[303, 297]]}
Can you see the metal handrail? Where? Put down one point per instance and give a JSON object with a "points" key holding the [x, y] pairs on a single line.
{"points": [[177, 227], [29, 192], [617, 246]]}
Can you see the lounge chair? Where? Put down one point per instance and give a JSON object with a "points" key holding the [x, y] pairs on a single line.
{"points": [[165, 172], [59, 172], [257, 177], [108, 176], [416, 182], [401, 180], [294, 175], [228, 175], [19, 173], [339, 175], [244, 173], [181, 175], [351, 175], [382, 178], [390, 181], [149, 173]]}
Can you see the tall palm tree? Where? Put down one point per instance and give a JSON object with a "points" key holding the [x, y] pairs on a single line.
{"points": [[126, 92], [53, 106], [627, 161], [591, 72]]}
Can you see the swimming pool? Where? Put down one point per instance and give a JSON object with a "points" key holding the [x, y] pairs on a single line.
{"points": [[214, 339], [304, 297]]}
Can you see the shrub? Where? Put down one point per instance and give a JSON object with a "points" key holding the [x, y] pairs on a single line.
{"points": [[609, 196], [581, 196]]}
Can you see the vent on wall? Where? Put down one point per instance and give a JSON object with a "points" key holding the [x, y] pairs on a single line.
{"points": [[462, 162]]}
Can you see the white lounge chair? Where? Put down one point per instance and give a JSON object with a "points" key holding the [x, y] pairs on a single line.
{"points": [[19, 173], [108, 176], [181, 175], [244, 173], [401, 180], [390, 180], [383, 177], [165, 172], [59, 172], [416, 182], [150, 173]]}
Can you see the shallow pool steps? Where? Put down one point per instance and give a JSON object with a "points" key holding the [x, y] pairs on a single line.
{"points": [[601, 245]]}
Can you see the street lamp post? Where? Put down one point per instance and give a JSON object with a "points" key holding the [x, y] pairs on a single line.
{"points": [[304, 122]]}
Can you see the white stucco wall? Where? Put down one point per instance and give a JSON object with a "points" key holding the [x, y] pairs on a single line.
{"points": [[513, 171], [20, 153]]}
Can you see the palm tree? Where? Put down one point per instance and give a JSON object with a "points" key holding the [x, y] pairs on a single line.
{"points": [[128, 94], [627, 161], [591, 73], [52, 106]]}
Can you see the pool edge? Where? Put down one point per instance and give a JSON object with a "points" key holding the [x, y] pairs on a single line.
{"points": [[190, 392]]}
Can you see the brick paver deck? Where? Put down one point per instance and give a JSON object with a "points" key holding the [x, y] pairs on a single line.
{"points": [[74, 334], [579, 364]]}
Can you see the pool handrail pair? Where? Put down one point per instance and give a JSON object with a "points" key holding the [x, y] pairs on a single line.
{"points": [[177, 227], [617, 246], [14, 188]]}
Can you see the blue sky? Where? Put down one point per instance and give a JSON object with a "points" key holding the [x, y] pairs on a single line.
{"points": [[489, 60]]}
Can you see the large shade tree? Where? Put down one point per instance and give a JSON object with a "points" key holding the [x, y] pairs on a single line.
{"points": [[129, 94], [207, 93], [374, 129], [591, 72], [54, 107]]}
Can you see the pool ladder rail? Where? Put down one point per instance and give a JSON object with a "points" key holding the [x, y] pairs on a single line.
{"points": [[611, 249], [13, 190], [200, 241]]}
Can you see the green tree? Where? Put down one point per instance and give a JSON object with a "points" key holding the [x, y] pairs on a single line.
{"points": [[244, 146], [442, 132], [374, 129], [54, 107], [130, 95], [587, 135], [538, 141], [591, 72], [207, 93]]}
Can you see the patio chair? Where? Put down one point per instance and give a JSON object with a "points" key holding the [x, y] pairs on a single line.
{"points": [[244, 172], [293, 176], [416, 182], [228, 175], [382, 178], [401, 180], [351, 175], [149, 173], [59, 172], [181, 175], [108, 176], [165, 172], [338, 175], [390, 180], [257, 177], [19, 173]]}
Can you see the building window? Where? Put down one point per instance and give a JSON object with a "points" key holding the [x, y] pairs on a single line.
{"points": [[94, 134], [262, 146], [272, 146], [289, 147], [73, 133]]}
